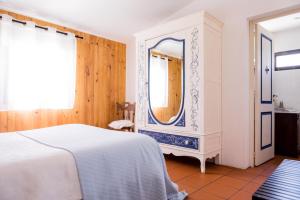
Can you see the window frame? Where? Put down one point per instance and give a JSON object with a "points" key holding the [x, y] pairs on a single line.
{"points": [[286, 53]]}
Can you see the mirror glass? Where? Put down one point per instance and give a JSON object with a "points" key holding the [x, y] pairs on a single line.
{"points": [[166, 72]]}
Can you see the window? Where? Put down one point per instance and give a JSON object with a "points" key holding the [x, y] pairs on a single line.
{"points": [[159, 81], [287, 60], [37, 67]]}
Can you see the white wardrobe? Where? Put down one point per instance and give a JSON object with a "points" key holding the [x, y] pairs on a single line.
{"points": [[179, 86]]}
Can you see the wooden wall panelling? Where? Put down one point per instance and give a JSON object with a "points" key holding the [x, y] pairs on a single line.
{"points": [[99, 54], [104, 85], [3, 122], [116, 71], [120, 59], [109, 77], [100, 83], [87, 98], [119, 79], [114, 79], [90, 101], [110, 80]]}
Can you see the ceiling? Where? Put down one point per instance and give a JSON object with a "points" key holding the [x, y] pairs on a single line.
{"points": [[282, 23], [113, 19]]}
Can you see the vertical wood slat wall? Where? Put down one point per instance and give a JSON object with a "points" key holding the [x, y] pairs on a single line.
{"points": [[100, 84]]}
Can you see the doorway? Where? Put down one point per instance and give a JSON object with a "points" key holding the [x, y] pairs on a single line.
{"points": [[274, 86]]}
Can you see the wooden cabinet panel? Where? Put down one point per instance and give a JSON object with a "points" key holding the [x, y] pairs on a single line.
{"points": [[286, 134]]}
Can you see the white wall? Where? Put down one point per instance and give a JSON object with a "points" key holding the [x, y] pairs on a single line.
{"points": [[130, 70], [235, 100], [286, 83]]}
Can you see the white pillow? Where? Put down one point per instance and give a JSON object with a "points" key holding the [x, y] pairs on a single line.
{"points": [[120, 124], [172, 119]]}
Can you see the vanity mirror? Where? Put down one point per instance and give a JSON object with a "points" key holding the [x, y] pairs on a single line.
{"points": [[166, 80]]}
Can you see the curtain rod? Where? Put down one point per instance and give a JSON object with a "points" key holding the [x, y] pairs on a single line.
{"points": [[162, 57], [44, 28]]}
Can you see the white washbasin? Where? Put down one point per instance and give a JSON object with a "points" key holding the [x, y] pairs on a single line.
{"points": [[286, 110]]}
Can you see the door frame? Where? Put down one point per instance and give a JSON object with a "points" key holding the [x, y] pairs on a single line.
{"points": [[252, 69]]}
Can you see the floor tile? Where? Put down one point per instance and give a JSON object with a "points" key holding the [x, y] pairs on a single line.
{"points": [[217, 169], [185, 186], [202, 195], [265, 165], [241, 195], [219, 182], [199, 180], [231, 182], [242, 175], [181, 172], [267, 172], [172, 164], [255, 170], [220, 190], [251, 187], [260, 179]]}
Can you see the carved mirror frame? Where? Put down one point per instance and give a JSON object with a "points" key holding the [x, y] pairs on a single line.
{"points": [[180, 118]]}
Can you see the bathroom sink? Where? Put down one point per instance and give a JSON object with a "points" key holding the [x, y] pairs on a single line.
{"points": [[286, 110]]}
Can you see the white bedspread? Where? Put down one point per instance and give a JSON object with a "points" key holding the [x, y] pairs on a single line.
{"points": [[32, 171], [74, 161]]}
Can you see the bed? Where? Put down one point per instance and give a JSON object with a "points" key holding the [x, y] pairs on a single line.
{"points": [[72, 162]]}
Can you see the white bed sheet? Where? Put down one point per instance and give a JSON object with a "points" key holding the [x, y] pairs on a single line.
{"points": [[48, 163], [32, 171]]}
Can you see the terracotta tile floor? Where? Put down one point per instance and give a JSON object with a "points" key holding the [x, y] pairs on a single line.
{"points": [[219, 182]]}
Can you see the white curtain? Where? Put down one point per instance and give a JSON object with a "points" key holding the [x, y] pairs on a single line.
{"points": [[37, 67], [159, 81]]}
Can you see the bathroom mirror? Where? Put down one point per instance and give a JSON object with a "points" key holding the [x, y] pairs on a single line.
{"points": [[166, 80]]}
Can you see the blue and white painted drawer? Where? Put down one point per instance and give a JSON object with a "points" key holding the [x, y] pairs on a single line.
{"points": [[176, 140]]}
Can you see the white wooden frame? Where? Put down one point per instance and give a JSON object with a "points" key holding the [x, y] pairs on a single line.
{"points": [[252, 67]]}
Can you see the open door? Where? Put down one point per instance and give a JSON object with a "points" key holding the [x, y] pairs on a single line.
{"points": [[264, 110]]}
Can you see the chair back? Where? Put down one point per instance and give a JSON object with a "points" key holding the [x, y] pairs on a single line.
{"points": [[126, 110]]}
